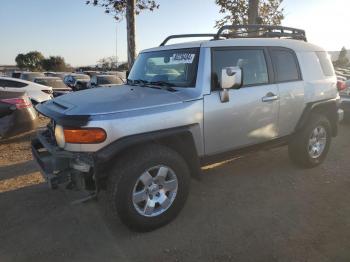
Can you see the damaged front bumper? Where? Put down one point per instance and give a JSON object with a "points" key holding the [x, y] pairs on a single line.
{"points": [[74, 170]]}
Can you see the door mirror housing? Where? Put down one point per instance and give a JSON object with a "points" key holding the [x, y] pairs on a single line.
{"points": [[231, 78]]}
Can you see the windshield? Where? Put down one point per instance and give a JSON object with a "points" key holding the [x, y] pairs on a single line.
{"points": [[176, 67], [54, 83], [108, 80], [31, 76], [82, 77]]}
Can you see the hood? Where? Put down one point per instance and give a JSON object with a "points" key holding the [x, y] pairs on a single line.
{"points": [[106, 100]]}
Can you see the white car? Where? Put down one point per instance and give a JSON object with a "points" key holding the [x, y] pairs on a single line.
{"points": [[36, 92]]}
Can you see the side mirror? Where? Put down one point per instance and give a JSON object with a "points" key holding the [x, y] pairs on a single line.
{"points": [[231, 78]]}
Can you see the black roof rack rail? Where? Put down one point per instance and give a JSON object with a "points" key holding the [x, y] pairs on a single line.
{"points": [[186, 35], [261, 31], [249, 31]]}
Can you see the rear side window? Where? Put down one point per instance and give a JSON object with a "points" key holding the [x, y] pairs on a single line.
{"points": [[253, 65], [285, 65], [326, 63], [12, 84]]}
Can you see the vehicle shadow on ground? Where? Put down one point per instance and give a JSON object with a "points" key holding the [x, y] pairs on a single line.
{"points": [[18, 139], [18, 169]]}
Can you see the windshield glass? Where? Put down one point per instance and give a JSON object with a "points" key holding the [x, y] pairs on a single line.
{"points": [[177, 67], [31, 76], [54, 83], [82, 77], [108, 80]]}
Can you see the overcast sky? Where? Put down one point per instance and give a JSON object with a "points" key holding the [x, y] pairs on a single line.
{"points": [[84, 34]]}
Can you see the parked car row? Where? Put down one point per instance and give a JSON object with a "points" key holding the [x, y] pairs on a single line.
{"points": [[24, 90], [343, 85], [37, 93]]}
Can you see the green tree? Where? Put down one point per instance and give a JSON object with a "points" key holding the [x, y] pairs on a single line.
{"points": [[21, 61], [108, 63], [342, 58], [54, 63], [123, 67], [127, 8], [237, 12], [31, 61]]}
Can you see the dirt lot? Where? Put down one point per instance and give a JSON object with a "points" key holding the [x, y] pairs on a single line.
{"points": [[257, 208]]}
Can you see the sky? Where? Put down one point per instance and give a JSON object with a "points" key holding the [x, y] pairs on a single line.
{"points": [[84, 34]]}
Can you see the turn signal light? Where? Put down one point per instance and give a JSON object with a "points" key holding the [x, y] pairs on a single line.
{"points": [[84, 135]]}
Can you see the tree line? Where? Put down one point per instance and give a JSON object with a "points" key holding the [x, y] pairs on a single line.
{"points": [[35, 61], [238, 12]]}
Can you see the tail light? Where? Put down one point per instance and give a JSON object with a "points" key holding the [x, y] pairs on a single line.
{"points": [[49, 92], [341, 86], [20, 103]]}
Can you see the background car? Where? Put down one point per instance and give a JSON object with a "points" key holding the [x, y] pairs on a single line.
{"points": [[105, 81], [58, 87], [16, 74], [17, 114], [29, 76], [36, 92], [345, 99], [61, 75], [77, 81]]}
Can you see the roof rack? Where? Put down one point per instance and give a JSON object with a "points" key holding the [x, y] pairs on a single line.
{"points": [[261, 31], [185, 36], [249, 31]]}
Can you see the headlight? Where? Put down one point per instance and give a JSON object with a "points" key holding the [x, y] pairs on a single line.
{"points": [[59, 135]]}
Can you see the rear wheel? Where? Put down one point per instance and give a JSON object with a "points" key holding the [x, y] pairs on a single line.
{"points": [[310, 146], [149, 187]]}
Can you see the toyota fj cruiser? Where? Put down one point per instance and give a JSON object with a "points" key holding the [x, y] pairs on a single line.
{"points": [[185, 105]]}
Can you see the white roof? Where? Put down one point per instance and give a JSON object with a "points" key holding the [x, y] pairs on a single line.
{"points": [[296, 45]]}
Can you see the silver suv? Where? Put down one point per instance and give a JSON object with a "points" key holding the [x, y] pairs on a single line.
{"points": [[186, 105]]}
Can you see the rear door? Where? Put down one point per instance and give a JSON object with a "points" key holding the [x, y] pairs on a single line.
{"points": [[251, 114], [290, 87]]}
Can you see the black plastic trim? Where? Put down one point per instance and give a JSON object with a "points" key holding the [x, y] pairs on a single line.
{"points": [[310, 107], [209, 159], [107, 153], [62, 119]]}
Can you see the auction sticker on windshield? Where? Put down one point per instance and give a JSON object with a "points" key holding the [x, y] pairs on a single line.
{"points": [[182, 58]]}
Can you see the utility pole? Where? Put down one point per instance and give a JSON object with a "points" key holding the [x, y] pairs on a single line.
{"points": [[116, 45], [253, 12], [131, 31]]}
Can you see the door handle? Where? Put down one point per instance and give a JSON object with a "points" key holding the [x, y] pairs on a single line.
{"points": [[270, 97]]}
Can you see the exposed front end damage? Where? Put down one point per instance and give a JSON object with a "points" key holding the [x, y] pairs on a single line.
{"points": [[59, 167]]}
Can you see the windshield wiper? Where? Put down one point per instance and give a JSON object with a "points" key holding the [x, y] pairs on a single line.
{"points": [[164, 84], [153, 84], [135, 82]]}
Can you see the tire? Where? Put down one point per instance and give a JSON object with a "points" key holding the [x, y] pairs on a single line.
{"points": [[299, 147], [125, 182]]}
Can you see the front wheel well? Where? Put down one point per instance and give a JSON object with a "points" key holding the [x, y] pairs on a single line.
{"points": [[182, 143]]}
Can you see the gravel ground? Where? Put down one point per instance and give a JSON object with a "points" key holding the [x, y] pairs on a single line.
{"points": [[256, 208]]}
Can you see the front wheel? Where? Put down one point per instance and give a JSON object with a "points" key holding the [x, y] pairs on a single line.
{"points": [[149, 187], [310, 146]]}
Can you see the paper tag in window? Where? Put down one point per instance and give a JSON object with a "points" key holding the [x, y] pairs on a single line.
{"points": [[182, 58]]}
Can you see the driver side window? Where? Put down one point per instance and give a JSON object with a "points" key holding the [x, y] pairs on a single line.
{"points": [[251, 61]]}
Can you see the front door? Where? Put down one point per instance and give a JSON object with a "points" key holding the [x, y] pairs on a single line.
{"points": [[251, 114]]}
